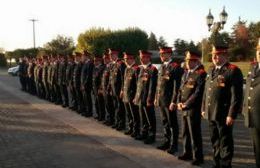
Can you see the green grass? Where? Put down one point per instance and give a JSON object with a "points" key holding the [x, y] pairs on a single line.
{"points": [[244, 66]]}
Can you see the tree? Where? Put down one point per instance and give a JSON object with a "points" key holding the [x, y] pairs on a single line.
{"points": [[60, 45], [98, 40], [153, 43], [162, 42]]}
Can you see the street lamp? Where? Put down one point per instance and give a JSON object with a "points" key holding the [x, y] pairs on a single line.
{"points": [[217, 25], [33, 21]]}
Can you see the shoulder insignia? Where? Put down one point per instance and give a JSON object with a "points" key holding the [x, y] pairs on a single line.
{"points": [[200, 71], [174, 64], [232, 66]]}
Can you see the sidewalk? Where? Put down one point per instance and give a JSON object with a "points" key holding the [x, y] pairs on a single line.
{"points": [[37, 133]]}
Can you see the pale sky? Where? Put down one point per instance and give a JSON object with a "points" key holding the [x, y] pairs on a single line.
{"points": [[171, 19]]}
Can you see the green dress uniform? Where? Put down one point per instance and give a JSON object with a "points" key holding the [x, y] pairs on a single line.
{"points": [[146, 87], [31, 83], [169, 80], [69, 82], [190, 94], [49, 79], [45, 80], [86, 83], [222, 98], [129, 91], [62, 83], [115, 81], [76, 86], [105, 89], [98, 96], [251, 107], [56, 81]]}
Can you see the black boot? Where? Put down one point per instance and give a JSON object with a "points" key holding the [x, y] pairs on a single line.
{"points": [[165, 145], [142, 136], [173, 143]]}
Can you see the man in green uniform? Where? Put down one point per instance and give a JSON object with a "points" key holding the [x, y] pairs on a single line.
{"points": [[222, 101], [128, 92], [189, 104], [144, 98], [169, 79], [251, 109]]}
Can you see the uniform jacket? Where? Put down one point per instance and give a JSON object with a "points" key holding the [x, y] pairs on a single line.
{"points": [[251, 106], [69, 73], [97, 77], [191, 91], [77, 75], [105, 79], [130, 83], [146, 85], [86, 74], [62, 73], [223, 93], [169, 79], [116, 77]]}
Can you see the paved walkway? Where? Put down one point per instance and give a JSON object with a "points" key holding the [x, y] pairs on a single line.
{"points": [[35, 133]]}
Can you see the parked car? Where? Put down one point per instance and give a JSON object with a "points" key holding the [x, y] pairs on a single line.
{"points": [[13, 71]]}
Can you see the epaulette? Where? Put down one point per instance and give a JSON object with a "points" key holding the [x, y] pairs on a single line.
{"points": [[174, 64], [253, 63], [153, 67], [135, 67], [200, 71], [232, 66]]}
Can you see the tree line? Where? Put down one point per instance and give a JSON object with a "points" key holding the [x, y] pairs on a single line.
{"points": [[242, 41]]}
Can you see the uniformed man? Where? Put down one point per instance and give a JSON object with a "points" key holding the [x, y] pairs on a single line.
{"points": [[30, 72], [115, 80], [98, 96], [45, 77], [251, 109], [62, 80], [169, 79], [144, 98], [49, 79], [86, 84], [35, 72], [77, 83], [128, 93], [56, 81], [222, 101], [105, 89], [189, 104], [69, 82], [39, 79], [22, 72]]}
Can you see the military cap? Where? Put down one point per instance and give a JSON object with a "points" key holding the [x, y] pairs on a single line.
{"points": [[86, 53], [192, 55], [128, 55], [44, 57], [163, 50], [258, 45], [78, 54], [143, 53], [219, 49], [112, 51]]}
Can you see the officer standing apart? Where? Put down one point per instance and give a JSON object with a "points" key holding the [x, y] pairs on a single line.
{"points": [[221, 103], [189, 104], [169, 79], [251, 108], [144, 98], [128, 92]]}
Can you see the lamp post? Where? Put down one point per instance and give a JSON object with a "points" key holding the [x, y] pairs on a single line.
{"points": [[217, 26], [33, 21]]}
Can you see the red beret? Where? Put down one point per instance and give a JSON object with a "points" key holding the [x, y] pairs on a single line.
{"points": [[165, 50], [112, 51], [128, 55], [191, 55], [219, 49], [143, 53]]}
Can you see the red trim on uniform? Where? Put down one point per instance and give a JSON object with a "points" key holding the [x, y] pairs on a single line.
{"points": [[232, 66]]}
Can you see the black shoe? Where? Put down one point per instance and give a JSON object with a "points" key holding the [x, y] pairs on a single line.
{"points": [[134, 134], [197, 162], [149, 140], [120, 128], [128, 132], [185, 157], [164, 146], [172, 150], [114, 126], [96, 118], [140, 137]]}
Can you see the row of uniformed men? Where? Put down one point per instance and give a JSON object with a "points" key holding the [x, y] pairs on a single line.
{"points": [[123, 86]]}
